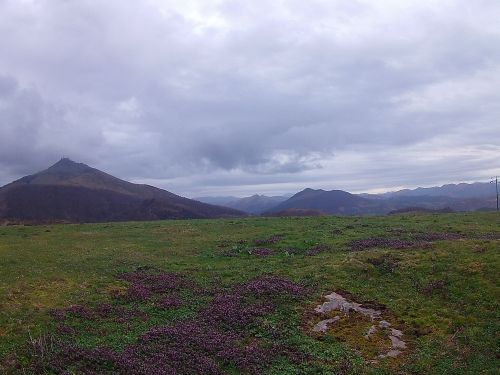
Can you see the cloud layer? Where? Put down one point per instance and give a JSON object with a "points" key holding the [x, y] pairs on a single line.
{"points": [[229, 97]]}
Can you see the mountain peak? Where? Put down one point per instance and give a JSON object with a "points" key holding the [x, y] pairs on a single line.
{"points": [[62, 172], [309, 191], [74, 192], [67, 164], [64, 161]]}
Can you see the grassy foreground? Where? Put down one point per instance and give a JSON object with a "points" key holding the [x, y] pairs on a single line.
{"points": [[436, 276]]}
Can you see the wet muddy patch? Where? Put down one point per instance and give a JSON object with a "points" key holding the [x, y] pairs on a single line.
{"points": [[368, 327]]}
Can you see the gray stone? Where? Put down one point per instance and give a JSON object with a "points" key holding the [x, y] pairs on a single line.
{"points": [[396, 332], [384, 324], [397, 343], [391, 354], [323, 325], [370, 332], [338, 302]]}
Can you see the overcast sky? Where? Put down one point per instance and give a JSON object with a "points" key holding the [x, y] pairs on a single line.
{"points": [[216, 97]]}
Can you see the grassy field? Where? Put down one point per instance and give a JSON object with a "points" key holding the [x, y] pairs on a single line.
{"points": [[435, 278]]}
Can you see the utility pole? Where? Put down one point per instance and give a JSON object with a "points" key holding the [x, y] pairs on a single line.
{"points": [[494, 180]]}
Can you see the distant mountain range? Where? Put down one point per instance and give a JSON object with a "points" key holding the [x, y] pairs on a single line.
{"points": [[255, 205], [297, 212], [463, 197], [75, 192], [451, 197], [462, 190]]}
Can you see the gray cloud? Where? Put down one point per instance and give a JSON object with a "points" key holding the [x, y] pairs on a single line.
{"points": [[260, 96]]}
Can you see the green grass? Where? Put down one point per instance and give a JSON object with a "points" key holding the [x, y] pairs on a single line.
{"points": [[454, 328]]}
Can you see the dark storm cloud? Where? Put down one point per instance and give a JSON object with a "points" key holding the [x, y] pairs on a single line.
{"points": [[34, 132], [258, 96]]}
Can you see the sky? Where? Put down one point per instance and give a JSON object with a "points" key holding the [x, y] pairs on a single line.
{"points": [[219, 97]]}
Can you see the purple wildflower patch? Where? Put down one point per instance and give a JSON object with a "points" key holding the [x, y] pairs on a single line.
{"points": [[79, 311], [489, 236], [58, 314], [317, 249], [138, 292], [437, 236], [152, 285], [271, 286], [157, 282], [275, 238], [261, 251], [63, 329], [389, 243], [170, 302], [217, 339]]}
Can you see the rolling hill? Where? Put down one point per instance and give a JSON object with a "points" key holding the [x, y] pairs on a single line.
{"points": [[74, 192]]}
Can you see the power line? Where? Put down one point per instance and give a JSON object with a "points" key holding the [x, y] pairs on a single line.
{"points": [[494, 180]]}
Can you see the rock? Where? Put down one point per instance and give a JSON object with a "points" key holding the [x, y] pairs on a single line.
{"points": [[338, 302], [384, 324], [391, 354], [323, 325], [396, 332], [397, 343], [370, 332]]}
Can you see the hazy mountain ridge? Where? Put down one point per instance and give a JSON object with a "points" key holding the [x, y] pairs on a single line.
{"points": [[255, 204], [75, 192], [219, 200], [460, 190], [464, 197]]}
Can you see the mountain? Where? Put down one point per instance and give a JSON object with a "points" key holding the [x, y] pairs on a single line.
{"points": [[462, 190], [438, 202], [256, 204], [458, 197], [340, 202], [74, 192], [219, 201], [297, 212], [336, 202]]}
